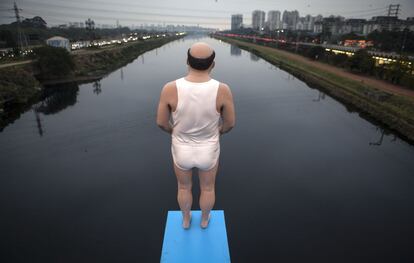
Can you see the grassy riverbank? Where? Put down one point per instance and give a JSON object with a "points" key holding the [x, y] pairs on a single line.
{"points": [[92, 64], [393, 110], [20, 85]]}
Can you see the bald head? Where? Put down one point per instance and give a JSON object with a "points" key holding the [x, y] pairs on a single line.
{"points": [[201, 56], [201, 50]]}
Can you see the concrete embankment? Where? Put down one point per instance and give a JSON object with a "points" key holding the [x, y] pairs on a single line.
{"points": [[393, 109]]}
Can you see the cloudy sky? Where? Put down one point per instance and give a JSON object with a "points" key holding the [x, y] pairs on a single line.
{"points": [[207, 13]]}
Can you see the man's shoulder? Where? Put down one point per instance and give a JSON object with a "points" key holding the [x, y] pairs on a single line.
{"points": [[224, 88], [169, 86]]}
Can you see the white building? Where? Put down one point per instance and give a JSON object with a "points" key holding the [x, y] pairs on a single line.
{"points": [[273, 20], [236, 21], [258, 19], [59, 42]]}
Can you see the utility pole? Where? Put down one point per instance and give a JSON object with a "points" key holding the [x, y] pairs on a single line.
{"points": [[394, 10], [118, 28], [90, 27], [21, 38], [404, 40]]}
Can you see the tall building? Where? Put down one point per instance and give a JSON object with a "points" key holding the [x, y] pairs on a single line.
{"points": [[353, 26], [290, 19], [332, 25], [380, 23], [236, 21], [258, 19], [273, 20], [306, 23], [310, 21]]}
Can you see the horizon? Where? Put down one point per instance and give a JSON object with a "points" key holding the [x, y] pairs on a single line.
{"points": [[211, 14]]}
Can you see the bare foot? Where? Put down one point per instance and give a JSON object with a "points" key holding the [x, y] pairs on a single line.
{"points": [[204, 223], [187, 221]]}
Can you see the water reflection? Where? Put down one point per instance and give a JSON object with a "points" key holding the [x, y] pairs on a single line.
{"points": [[57, 98], [253, 57], [321, 96], [97, 87], [380, 140], [38, 123], [235, 50], [54, 99]]}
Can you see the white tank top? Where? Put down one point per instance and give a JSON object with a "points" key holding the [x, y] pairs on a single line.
{"points": [[196, 120]]}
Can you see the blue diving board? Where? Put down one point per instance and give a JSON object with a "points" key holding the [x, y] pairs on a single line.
{"points": [[195, 244]]}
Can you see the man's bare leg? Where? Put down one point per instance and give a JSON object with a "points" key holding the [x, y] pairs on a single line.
{"points": [[207, 195], [184, 195]]}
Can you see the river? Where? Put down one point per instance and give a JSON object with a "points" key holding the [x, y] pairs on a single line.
{"points": [[86, 175]]}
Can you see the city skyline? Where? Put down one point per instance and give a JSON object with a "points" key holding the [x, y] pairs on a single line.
{"points": [[210, 14]]}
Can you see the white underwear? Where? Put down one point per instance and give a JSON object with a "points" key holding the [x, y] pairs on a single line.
{"points": [[187, 156]]}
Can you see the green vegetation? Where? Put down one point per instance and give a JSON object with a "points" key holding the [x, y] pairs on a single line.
{"points": [[398, 73], [395, 111], [19, 88], [102, 62], [316, 52], [52, 62], [396, 41], [361, 62], [17, 84]]}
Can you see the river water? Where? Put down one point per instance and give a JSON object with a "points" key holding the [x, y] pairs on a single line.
{"points": [[86, 175]]}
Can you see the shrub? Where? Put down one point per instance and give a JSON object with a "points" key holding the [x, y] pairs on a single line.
{"points": [[362, 62], [316, 52], [53, 62], [408, 81], [339, 60]]}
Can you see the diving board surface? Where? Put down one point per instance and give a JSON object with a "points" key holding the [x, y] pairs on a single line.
{"points": [[195, 244]]}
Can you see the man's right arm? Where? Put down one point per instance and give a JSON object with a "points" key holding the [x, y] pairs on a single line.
{"points": [[227, 109]]}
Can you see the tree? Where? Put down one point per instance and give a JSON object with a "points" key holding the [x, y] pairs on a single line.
{"points": [[362, 62], [7, 36], [398, 70], [396, 41], [53, 62], [339, 60], [316, 52]]}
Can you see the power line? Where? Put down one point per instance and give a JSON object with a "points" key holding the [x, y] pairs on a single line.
{"points": [[147, 6], [58, 15], [128, 12], [172, 8], [362, 15], [366, 10]]}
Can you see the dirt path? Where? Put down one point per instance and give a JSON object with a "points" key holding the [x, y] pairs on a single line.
{"points": [[15, 63], [376, 83]]}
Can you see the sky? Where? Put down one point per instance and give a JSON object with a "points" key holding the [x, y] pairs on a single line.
{"points": [[205, 13]]}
